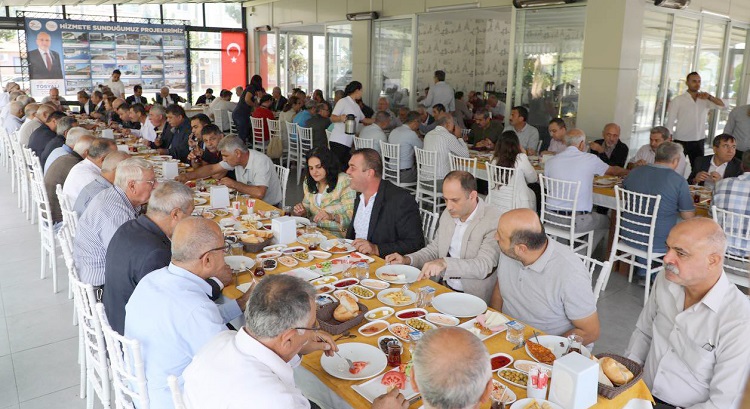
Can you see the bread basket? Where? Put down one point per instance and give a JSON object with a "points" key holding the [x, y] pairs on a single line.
{"points": [[331, 325], [255, 247], [610, 392]]}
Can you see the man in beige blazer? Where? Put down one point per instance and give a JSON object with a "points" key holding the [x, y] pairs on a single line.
{"points": [[464, 253]]}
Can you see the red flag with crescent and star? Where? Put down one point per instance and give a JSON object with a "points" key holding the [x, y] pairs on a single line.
{"points": [[233, 60]]}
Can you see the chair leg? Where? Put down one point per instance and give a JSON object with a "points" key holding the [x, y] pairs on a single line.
{"points": [[590, 245], [631, 269], [43, 261], [53, 261], [647, 288], [89, 387]]}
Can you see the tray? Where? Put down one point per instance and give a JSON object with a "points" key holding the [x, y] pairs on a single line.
{"points": [[610, 392], [332, 326]]}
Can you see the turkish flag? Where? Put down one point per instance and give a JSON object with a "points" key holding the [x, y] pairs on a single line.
{"points": [[233, 60]]}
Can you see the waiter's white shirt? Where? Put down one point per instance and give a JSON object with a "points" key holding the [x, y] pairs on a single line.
{"points": [[690, 117]]}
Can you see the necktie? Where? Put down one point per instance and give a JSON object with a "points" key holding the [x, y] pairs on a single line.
{"points": [[48, 61]]}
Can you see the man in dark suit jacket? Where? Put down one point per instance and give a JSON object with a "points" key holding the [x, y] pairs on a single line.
{"points": [[44, 134], [44, 63], [166, 99], [278, 100], [708, 170], [610, 148], [386, 217], [137, 97], [180, 129]]}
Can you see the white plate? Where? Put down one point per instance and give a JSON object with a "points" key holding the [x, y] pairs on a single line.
{"points": [[288, 261], [374, 284], [297, 256], [203, 194], [235, 262], [308, 239], [391, 337], [387, 301], [302, 273], [442, 319], [208, 215], [275, 247], [460, 305], [291, 250], [505, 355], [342, 243], [343, 280], [422, 310], [268, 255], [374, 388], [521, 404], [356, 257], [507, 381], [410, 273], [301, 220], [470, 324], [337, 266], [412, 323], [372, 323], [509, 397], [339, 293], [363, 290], [553, 343], [337, 367], [398, 324], [377, 313], [227, 221], [324, 280], [244, 287], [523, 365], [320, 254], [326, 288], [197, 201]]}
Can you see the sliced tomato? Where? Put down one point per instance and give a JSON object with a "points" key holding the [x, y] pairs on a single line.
{"points": [[357, 367], [394, 378]]}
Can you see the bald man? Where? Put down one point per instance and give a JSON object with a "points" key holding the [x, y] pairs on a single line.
{"points": [[44, 63], [542, 282], [102, 181], [40, 117], [610, 148], [450, 377], [692, 334]]}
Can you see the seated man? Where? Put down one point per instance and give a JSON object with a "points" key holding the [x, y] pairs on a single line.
{"points": [[206, 98], [557, 130], [111, 208], [610, 148], [225, 106], [647, 153], [733, 194], [542, 282], [445, 140], [376, 130], [386, 217], [165, 98], [280, 327], [691, 335], [207, 153], [254, 171], [305, 113], [64, 125], [449, 258], [427, 121], [179, 129], [55, 98], [137, 97], [39, 139], [450, 377], [709, 169], [170, 312], [101, 182], [60, 170], [14, 120], [71, 138], [262, 111], [406, 137], [485, 132], [319, 122], [495, 106], [527, 134], [385, 106], [88, 169]]}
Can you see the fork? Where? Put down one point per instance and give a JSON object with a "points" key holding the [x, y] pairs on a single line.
{"points": [[348, 361]]}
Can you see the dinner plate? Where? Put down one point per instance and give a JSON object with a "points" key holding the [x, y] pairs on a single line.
{"points": [[553, 342], [468, 325], [301, 220], [442, 319], [387, 301], [337, 367], [410, 273], [460, 305], [302, 273], [275, 247], [310, 239], [522, 403], [343, 246], [235, 262], [197, 201], [374, 388]]}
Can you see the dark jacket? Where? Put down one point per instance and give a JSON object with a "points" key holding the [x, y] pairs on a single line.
{"points": [[278, 105], [136, 100], [202, 100], [619, 154], [702, 164], [38, 69], [395, 225], [55, 143], [178, 148], [56, 175], [137, 248], [174, 97], [319, 126], [39, 139]]}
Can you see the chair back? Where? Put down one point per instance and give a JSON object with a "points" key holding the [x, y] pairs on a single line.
{"points": [[501, 187], [259, 139], [70, 216], [736, 227], [274, 128], [465, 132], [305, 141], [391, 157], [636, 219], [328, 138], [592, 265], [283, 174], [429, 224], [66, 244], [361, 143], [232, 125], [220, 119], [426, 167], [462, 163], [128, 368], [559, 201], [174, 387]]}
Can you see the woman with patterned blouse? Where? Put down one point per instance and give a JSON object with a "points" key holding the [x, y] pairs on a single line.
{"points": [[328, 199]]}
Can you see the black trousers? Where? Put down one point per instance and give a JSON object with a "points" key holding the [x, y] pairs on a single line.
{"points": [[343, 153], [693, 149]]}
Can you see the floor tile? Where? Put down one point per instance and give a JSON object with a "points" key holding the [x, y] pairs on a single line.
{"points": [[23, 298], [67, 398], [47, 369], [8, 392], [15, 234], [4, 340], [55, 323]]}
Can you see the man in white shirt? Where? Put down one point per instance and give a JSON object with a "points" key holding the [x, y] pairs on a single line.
{"points": [[449, 257], [39, 118], [280, 327], [692, 334], [647, 153], [738, 125], [376, 131], [496, 107], [440, 93], [557, 130], [225, 106], [85, 171], [55, 98], [115, 85], [527, 134], [443, 140], [14, 119], [385, 106], [406, 137], [688, 111]]}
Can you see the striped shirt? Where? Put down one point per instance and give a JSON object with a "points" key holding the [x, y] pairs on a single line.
{"points": [[105, 214], [443, 142], [733, 195]]}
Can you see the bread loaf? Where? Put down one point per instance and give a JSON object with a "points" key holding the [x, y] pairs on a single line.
{"points": [[347, 308], [615, 371]]}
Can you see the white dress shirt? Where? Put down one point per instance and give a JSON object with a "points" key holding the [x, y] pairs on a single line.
{"points": [[697, 357], [441, 93], [362, 217], [227, 362], [690, 117], [713, 167], [443, 142], [454, 249], [344, 107], [646, 154], [83, 173], [373, 132], [576, 166], [117, 88]]}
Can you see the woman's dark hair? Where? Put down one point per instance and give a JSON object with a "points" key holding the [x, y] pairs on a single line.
{"points": [[507, 149], [330, 164], [256, 83], [290, 103], [352, 87], [318, 93]]}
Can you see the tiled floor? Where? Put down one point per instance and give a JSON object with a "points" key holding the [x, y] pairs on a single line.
{"points": [[38, 343]]}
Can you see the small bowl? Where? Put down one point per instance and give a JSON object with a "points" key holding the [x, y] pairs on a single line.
{"points": [[442, 319], [374, 284], [382, 324], [340, 283], [420, 313], [391, 337], [379, 313]]}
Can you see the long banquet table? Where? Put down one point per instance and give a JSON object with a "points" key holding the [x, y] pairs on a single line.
{"points": [[494, 344]]}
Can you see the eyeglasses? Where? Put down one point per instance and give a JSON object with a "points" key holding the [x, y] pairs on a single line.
{"points": [[316, 328], [150, 182], [223, 248]]}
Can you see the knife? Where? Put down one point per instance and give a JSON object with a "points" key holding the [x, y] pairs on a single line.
{"points": [[519, 346]]}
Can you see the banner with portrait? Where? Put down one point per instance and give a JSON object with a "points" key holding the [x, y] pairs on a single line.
{"points": [[74, 55]]}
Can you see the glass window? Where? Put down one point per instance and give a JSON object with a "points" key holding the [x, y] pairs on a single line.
{"points": [[200, 39], [297, 60], [138, 10], [205, 71], [709, 61], [339, 54], [733, 76], [228, 15], [392, 62], [268, 53], [84, 12], [681, 55], [283, 84], [319, 63], [10, 59], [192, 13], [45, 9]]}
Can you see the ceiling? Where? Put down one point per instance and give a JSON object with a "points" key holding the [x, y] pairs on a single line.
{"points": [[23, 3]]}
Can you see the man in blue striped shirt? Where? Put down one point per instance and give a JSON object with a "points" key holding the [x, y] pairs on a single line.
{"points": [[134, 181], [733, 195]]}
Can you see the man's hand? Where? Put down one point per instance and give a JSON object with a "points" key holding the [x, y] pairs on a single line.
{"points": [[225, 275], [228, 182], [182, 178], [598, 148], [701, 177], [299, 210], [391, 400], [320, 341], [322, 216], [242, 301], [433, 268], [715, 176], [396, 258], [365, 247]]}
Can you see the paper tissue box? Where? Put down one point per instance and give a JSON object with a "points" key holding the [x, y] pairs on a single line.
{"points": [[574, 382], [219, 197], [108, 133], [123, 148], [284, 229], [169, 169]]}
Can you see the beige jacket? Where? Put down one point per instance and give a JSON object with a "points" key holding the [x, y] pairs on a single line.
{"points": [[479, 251]]}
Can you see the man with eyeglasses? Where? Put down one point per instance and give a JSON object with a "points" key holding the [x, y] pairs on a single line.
{"points": [[485, 132], [87, 170], [709, 169], [134, 181], [280, 327], [170, 312]]}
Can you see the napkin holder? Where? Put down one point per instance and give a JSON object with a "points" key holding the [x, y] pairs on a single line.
{"points": [[169, 169], [219, 196], [108, 133], [123, 148], [284, 229], [574, 382]]}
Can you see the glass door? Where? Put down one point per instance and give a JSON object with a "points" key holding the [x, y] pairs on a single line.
{"points": [[339, 56], [392, 61], [731, 92]]}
